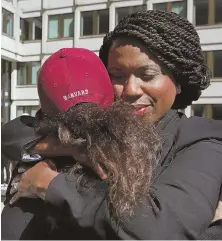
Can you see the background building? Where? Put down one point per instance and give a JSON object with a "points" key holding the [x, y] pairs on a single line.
{"points": [[34, 29]]}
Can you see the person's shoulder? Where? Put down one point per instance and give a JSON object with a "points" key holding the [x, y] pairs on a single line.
{"points": [[19, 122], [202, 125], [15, 134], [196, 129], [20, 126]]}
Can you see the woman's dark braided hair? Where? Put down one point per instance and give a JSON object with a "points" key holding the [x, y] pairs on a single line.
{"points": [[174, 41]]}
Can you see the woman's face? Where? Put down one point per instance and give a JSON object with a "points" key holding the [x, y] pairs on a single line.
{"points": [[139, 79]]}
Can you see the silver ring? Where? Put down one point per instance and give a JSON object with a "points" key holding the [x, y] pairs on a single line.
{"points": [[15, 186]]}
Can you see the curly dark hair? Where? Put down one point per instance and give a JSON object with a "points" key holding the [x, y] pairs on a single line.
{"points": [[174, 41], [125, 144]]}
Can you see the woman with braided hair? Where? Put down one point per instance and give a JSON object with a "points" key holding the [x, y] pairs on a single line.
{"points": [[171, 41], [156, 64]]}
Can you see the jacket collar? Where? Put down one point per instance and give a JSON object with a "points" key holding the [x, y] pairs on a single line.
{"points": [[168, 128]]}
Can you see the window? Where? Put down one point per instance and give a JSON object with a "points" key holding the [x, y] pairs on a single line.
{"points": [[31, 29], [214, 60], [94, 22], [7, 22], [179, 7], [28, 73], [5, 90], [103, 21], [26, 110], [122, 12], [207, 12], [61, 26], [213, 111]]}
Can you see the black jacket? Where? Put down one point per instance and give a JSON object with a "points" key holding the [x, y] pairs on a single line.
{"points": [[183, 198]]}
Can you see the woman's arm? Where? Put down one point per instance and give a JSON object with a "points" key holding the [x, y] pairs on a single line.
{"points": [[182, 204], [184, 198]]}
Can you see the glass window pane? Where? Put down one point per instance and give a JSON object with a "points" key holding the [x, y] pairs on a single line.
{"points": [[139, 8], [27, 73], [213, 111], [217, 64], [38, 28], [5, 90], [179, 7], [53, 31], [9, 25], [22, 74], [35, 70], [201, 12], [205, 56], [7, 22], [207, 12], [197, 110], [28, 25], [121, 13], [68, 26], [124, 11], [217, 111], [218, 11], [160, 6], [103, 18], [19, 111], [26, 110], [86, 23], [214, 60], [33, 110], [24, 25], [38, 33]]}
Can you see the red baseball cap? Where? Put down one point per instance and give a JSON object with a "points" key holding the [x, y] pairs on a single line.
{"points": [[71, 76]]}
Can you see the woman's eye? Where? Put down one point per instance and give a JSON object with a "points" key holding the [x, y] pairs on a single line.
{"points": [[148, 76], [116, 77]]}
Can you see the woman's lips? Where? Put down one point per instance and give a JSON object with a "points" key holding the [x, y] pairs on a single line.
{"points": [[142, 109]]}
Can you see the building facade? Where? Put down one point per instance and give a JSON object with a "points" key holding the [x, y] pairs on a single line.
{"points": [[34, 29]]}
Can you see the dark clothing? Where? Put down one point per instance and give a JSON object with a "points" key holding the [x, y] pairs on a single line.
{"points": [[183, 197], [214, 232], [33, 219], [16, 134]]}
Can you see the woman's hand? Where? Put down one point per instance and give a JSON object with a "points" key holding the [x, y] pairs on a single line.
{"points": [[52, 147], [33, 182]]}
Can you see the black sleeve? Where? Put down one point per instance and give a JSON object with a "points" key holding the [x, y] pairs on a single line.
{"points": [[77, 199], [16, 134], [181, 206], [214, 232], [184, 198], [25, 220]]}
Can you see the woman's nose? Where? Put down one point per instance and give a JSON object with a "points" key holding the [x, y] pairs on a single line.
{"points": [[132, 89]]}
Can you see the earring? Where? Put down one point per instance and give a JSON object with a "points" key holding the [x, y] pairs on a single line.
{"points": [[178, 89]]}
